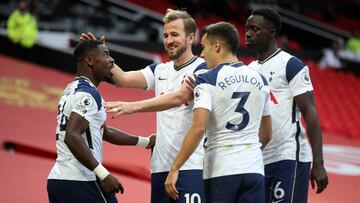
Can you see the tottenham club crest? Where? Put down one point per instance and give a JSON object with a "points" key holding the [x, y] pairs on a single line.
{"points": [[271, 76]]}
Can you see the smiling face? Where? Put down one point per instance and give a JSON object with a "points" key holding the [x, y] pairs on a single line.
{"points": [[259, 33], [102, 64], [176, 42]]}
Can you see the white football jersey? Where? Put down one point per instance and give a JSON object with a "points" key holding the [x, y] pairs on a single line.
{"points": [[172, 124], [288, 77], [237, 98], [81, 97]]}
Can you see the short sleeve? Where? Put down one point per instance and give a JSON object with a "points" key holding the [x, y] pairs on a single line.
{"points": [[84, 104], [301, 83], [267, 109], [298, 77], [203, 96], [149, 74]]}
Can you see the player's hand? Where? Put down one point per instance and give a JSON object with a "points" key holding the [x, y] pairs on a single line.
{"points": [[91, 36], [170, 184], [120, 108], [190, 82], [319, 175], [152, 141], [111, 184]]}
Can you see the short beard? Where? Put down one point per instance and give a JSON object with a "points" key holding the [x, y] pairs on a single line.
{"points": [[178, 53]]}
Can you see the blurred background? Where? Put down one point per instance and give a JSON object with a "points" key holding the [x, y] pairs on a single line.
{"points": [[37, 38]]}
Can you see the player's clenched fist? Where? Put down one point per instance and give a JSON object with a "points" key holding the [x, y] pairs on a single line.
{"points": [[111, 184]]}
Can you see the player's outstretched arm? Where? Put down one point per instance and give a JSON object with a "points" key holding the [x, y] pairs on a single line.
{"points": [[306, 104], [265, 131], [76, 126], [191, 141], [119, 137], [160, 103], [133, 79]]}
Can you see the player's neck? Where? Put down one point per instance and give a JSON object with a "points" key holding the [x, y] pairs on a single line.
{"points": [[268, 53], [228, 59], [187, 56], [89, 78]]}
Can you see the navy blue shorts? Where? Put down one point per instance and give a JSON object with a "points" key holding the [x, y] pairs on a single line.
{"points": [[287, 181], [190, 186], [68, 191], [242, 188]]}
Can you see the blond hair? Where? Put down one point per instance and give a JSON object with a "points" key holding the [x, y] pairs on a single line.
{"points": [[189, 22]]}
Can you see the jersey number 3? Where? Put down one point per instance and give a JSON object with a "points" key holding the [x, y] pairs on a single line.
{"points": [[243, 96]]}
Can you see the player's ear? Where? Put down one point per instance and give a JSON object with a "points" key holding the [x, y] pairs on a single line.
{"points": [[217, 46], [89, 60], [273, 32], [191, 37]]}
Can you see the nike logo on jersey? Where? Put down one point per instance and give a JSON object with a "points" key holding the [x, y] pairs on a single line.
{"points": [[160, 78], [277, 201]]}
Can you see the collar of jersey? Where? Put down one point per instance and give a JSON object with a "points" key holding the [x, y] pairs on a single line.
{"points": [[236, 63], [185, 64], [87, 79], [270, 57]]}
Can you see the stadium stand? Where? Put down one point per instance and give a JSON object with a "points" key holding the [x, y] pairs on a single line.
{"points": [[336, 100]]}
